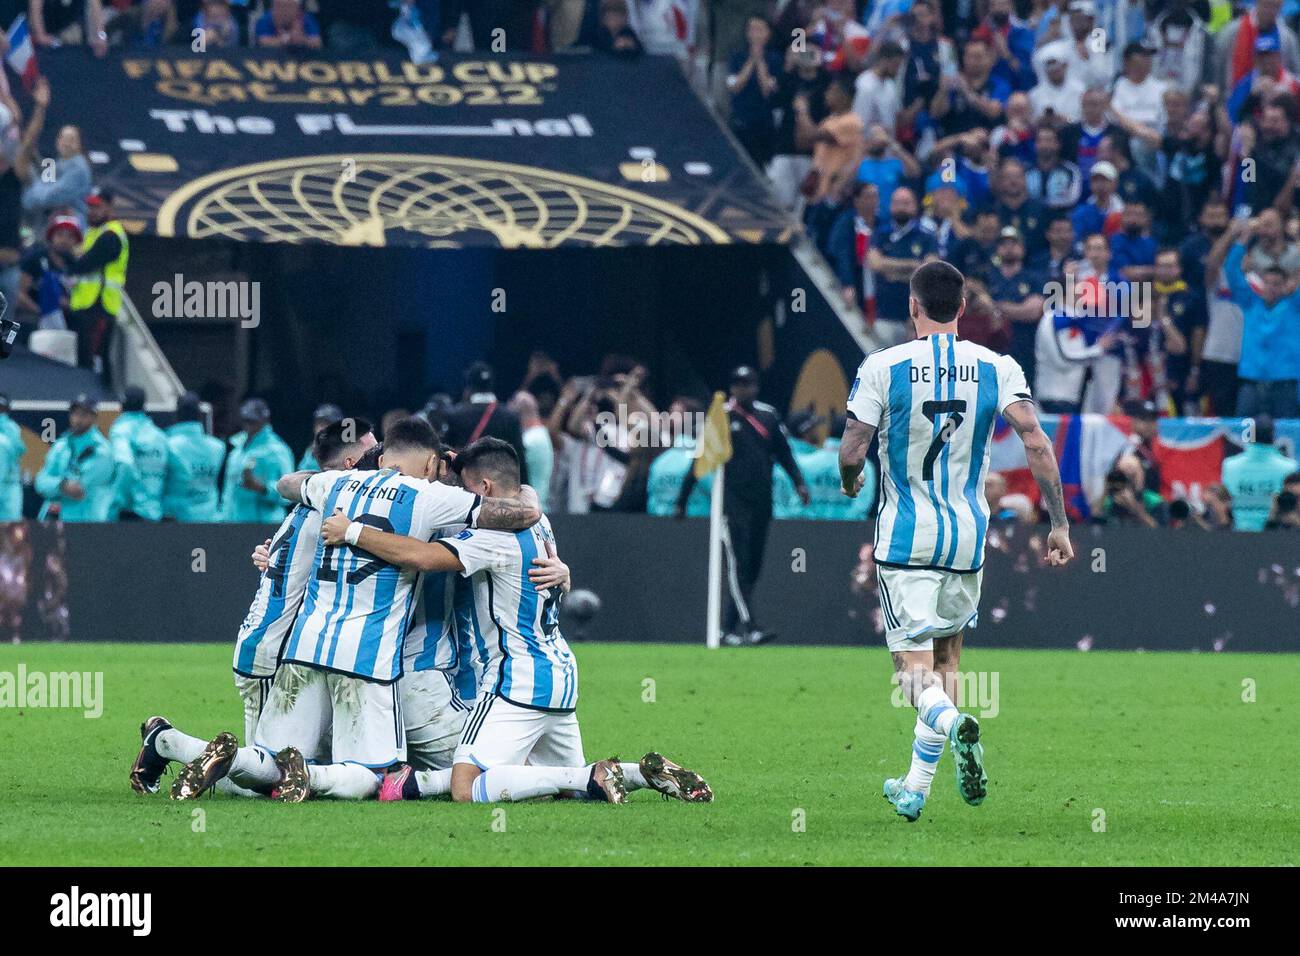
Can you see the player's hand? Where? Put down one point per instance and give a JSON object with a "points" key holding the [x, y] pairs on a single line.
{"points": [[549, 572], [333, 529], [1059, 550], [262, 555], [857, 486]]}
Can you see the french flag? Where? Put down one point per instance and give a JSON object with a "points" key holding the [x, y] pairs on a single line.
{"points": [[22, 52]]}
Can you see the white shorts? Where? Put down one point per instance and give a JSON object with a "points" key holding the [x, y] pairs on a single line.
{"points": [[253, 691], [333, 718], [434, 716], [919, 605], [501, 734]]}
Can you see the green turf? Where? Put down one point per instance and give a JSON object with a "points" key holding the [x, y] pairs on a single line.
{"points": [[1184, 771]]}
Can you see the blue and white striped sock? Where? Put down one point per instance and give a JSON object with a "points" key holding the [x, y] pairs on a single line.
{"points": [[927, 748], [936, 710]]}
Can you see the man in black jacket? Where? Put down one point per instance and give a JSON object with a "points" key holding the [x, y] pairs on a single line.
{"points": [[758, 438], [480, 414]]}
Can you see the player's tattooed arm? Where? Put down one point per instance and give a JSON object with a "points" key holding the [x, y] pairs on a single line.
{"points": [[516, 513], [290, 486], [853, 455], [1042, 464], [398, 549]]}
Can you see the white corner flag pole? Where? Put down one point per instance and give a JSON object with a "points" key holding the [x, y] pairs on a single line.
{"points": [[713, 637]]}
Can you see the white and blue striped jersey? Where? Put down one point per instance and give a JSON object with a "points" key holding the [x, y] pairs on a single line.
{"points": [[357, 608], [529, 663], [934, 402], [279, 594]]}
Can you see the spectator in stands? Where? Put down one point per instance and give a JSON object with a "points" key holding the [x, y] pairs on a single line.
{"points": [[877, 96], [1213, 375], [1057, 99], [140, 459], [76, 480], [897, 253], [54, 22], [1234, 47], [479, 413], [1144, 418], [944, 206], [218, 23], [1060, 249], [1081, 44], [12, 449], [1052, 181], [1270, 346], [1081, 139], [68, 184], [1014, 137], [1182, 45], [1138, 97], [847, 245], [929, 56], [668, 470], [837, 140], [1255, 475], [1014, 205], [1177, 323], [974, 97], [615, 36], [1132, 183], [16, 151], [1273, 152], [1127, 500], [286, 26], [974, 255], [664, 27], [100, 271], [43, 270], [324, 416], [1132, 250], [1017, 294], [190, 491], [256, 461], [801, 81], [1102, 212], [149, 24], [1192, 159], [752, 81], [886, 164], [1013, 43], [538, 451]]}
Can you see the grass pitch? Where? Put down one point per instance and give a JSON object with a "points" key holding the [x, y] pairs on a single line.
{"points": [[1096, 759]]}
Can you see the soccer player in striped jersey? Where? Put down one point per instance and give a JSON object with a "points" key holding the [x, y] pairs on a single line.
{"points": [[290, 556], [933, 402], [335, 690], [522, 740]]}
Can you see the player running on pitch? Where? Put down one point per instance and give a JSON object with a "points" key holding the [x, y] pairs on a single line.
{"points": [[522, 740], [934, 401]]}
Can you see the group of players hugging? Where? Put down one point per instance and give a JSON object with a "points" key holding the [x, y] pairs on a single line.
{"points": [[404, 642]]}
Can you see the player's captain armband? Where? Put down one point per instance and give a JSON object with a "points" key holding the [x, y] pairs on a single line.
{"points": [[853, 389]]}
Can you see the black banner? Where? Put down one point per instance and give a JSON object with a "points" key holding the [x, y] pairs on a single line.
{"points": [[469, 151], [1129, 589]]}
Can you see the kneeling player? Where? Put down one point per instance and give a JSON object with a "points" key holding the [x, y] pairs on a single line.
{"points": [[522, 739]]}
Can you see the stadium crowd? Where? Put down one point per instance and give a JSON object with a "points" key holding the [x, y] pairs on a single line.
{"points": [[1115, 178]]}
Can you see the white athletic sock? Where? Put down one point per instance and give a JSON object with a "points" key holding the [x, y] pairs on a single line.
{"points": [[936, 709], [174, 745], [632, 778], [433, 783], [253, 767], [342, 781], [226, 785], [524, 783], [927, 748]]}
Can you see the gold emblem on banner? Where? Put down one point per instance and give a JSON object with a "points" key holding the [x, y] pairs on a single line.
{"points": [[434, 201]]}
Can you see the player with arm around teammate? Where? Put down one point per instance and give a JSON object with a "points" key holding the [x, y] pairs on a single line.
{"points": [[933, 403], [522, 740]]}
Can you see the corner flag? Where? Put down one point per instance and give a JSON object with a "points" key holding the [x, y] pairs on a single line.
{"points": [[715, 440]]}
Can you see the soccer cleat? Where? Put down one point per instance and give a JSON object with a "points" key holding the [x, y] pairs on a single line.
{"points": [[968, 754], [149, 764], [399, 784], [199, 775], [673, 780], [294, 785], [606, 782], [907, 803]]}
